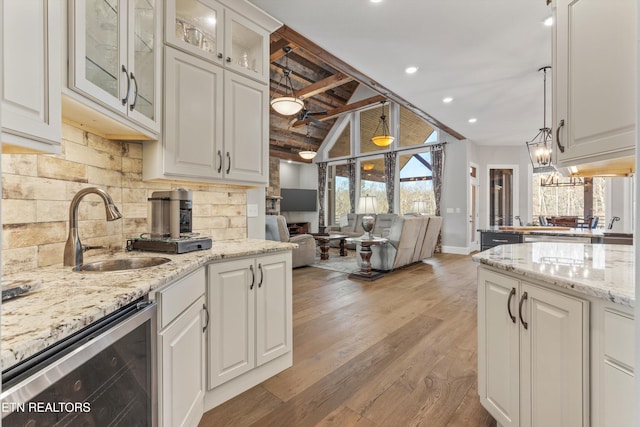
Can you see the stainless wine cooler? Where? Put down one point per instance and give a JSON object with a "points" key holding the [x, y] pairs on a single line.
{"points": [[105, 375]]}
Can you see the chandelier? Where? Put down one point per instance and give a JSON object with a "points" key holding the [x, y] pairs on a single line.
{"points": [[539, 147], [287, 105], [385, 139]]}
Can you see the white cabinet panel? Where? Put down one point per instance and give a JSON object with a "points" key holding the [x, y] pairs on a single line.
{"points": [[193, 116], [31, 83]]}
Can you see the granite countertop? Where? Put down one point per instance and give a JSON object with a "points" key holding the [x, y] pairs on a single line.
{"points": [[67, 301], [574, 232], [601, 271]]}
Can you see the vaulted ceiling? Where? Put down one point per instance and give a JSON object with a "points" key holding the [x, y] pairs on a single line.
{"points": [[325, 84]]}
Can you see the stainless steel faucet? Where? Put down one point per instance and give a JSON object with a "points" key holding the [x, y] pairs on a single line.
{"points": [[73, 247]]}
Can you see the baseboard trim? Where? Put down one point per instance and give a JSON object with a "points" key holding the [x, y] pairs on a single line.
{"points": [[457, 250]]}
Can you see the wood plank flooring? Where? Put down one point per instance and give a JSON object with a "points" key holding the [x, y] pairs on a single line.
{"points": [[400, 351]]}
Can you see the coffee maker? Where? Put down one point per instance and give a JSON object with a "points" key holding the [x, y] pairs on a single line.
{"points": [[170, 216], [170, 213]]}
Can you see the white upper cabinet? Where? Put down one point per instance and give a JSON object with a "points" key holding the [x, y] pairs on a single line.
{"points": [[115, 57], [31, 82], [216, 33], [594, 81]]}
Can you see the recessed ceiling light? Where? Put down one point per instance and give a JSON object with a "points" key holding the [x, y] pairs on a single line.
{"points": [[548, 22], [376, 1], [447, 99], [410, 70], [473, 120]]}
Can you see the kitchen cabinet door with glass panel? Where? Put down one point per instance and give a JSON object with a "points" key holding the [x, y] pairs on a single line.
{"points": [[207, 29], [116, 57]]}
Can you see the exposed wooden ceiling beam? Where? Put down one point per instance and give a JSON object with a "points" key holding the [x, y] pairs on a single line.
{"points": [[299, 40], [323, 85], [276, 49], [344, 109]]}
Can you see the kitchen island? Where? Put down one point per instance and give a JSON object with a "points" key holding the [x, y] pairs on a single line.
{"points": [[67, 301], [556, 333], [497, 235]]}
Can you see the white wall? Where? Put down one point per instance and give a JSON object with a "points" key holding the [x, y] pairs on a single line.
{"points": [[303, 176], [453, 202]]}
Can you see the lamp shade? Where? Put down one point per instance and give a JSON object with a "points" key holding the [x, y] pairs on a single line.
{"points": [[382, 140], [420, 206], [287, 105], [368, 205], [307, 155]]}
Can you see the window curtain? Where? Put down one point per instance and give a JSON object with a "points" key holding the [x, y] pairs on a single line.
{"points": [[351, 167], [390, 177], [322, 184], [437, 162]]}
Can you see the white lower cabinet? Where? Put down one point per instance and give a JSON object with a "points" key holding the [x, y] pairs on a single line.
{"points": [[251, 308], [183, 319], [533, 351]]}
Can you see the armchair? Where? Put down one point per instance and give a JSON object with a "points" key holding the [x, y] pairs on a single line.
{"points": [[276, 229]]}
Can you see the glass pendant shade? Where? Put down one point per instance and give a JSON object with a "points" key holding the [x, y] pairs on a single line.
{"points": [[385, 139], [287, 105], [307, 155]]}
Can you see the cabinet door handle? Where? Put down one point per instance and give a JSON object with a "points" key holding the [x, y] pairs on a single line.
{"points": [[135, 93], [522, 300], [126, 96], [220, 55], [560, 146], [228, 59], [253, 277], [228, 163], [511, 295], [261, 275], [206, 311]]}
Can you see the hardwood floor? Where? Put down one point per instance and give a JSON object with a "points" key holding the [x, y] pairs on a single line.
{"points": [[400, 351]]}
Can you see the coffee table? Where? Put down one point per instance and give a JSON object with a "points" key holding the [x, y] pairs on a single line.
{"points": [[324, 240], [365, 272]]}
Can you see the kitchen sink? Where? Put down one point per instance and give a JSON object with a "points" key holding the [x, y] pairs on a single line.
{"points": [[120, 264]]}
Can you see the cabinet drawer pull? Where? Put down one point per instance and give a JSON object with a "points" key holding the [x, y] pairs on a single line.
{"points": [[126, 96], [219, 55], [560, 146], [511, 294], [228, 59], [522, 300], [228, 163], [253, 277], [500, 240], [206, 311], [135, 93], [220, 159], [261, 275]]}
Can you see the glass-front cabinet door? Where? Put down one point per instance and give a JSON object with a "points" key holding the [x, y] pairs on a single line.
{"points": [[115, 56], [195, 26], [143, 61], [245, 46]]}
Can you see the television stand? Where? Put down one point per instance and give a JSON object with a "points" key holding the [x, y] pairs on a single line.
{"points": [[298, 228]]}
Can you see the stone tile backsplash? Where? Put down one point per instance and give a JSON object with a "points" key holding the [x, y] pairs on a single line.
{"points": [[37, 190]]}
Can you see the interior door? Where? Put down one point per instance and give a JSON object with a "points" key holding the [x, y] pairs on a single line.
{"points": [[474, 212]]}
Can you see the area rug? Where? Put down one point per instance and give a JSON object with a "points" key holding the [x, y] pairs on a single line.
{"points": [[343, 264]]}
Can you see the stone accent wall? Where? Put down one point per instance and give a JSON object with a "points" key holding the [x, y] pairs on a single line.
{"points": [[37, 190]]}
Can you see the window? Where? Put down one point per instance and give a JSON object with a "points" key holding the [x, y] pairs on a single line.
{"points": [[372, 181], [559, 196], [369, 120], [338, 194], [414, 130], [416, 183], [342, 146]]}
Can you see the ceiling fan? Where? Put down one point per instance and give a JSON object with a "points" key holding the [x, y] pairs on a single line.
{"points": [[307, 115]]}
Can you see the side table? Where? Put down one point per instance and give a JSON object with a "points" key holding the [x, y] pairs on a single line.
{"points": [[365, 272], [324, 239]]}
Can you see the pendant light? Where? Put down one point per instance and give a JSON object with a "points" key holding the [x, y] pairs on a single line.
{"points": [[385, 139], [540, 146], [287, 105], [307, 154]]}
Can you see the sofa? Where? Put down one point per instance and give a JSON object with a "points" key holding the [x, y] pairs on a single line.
{"points": [[276, 229], [411, 239], [351, 226]]}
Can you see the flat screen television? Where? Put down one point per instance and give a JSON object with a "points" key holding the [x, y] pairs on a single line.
{"points": [[298, 200]]}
